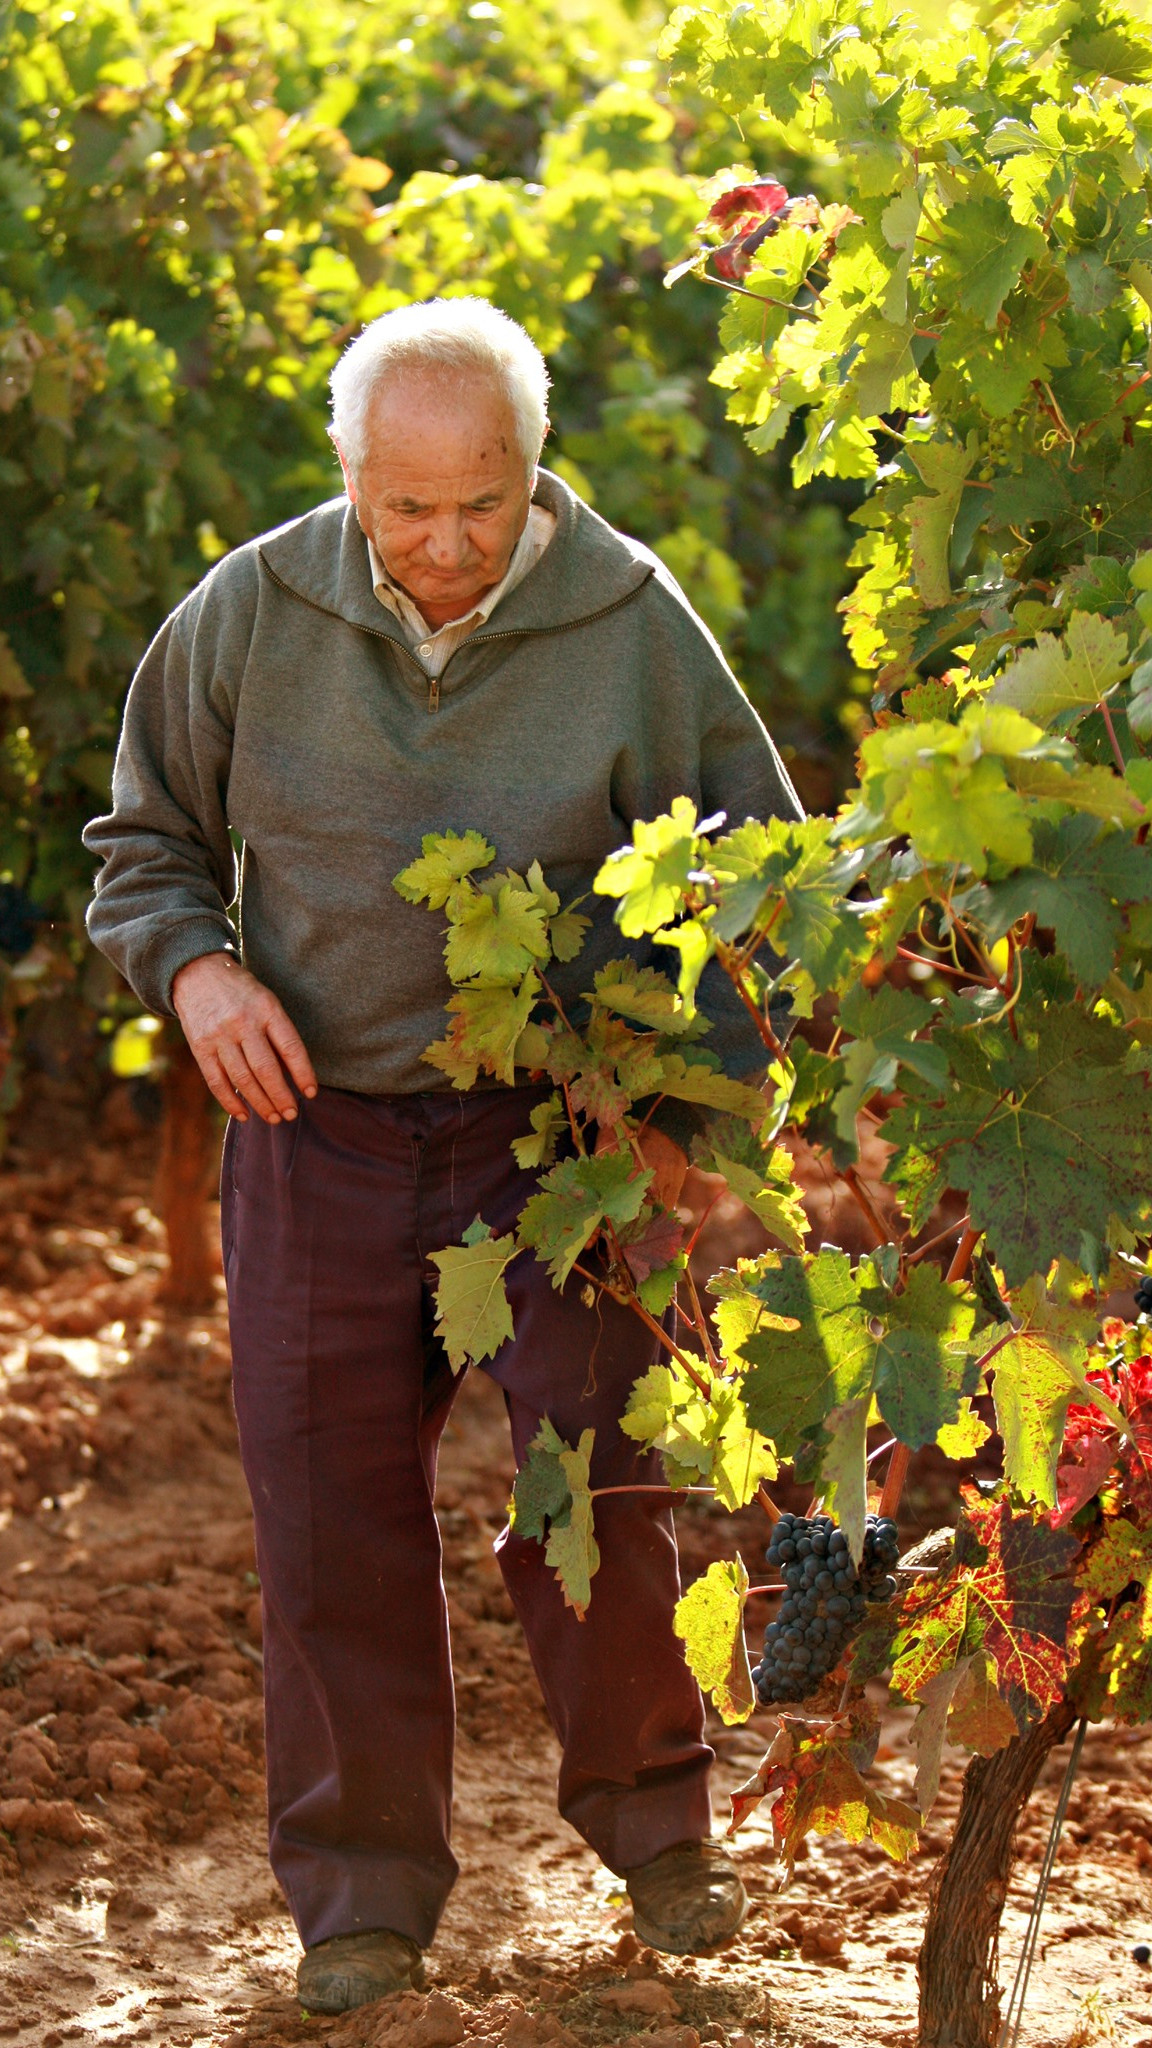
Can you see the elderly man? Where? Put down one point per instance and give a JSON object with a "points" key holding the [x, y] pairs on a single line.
{"points": [[460, 642]]}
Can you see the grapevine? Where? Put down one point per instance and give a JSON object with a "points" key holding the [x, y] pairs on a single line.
{"points": [[826, 1599]]}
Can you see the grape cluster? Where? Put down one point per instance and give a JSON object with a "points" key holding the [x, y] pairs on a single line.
{"points": [[1144, 1295], [825, 1600]]}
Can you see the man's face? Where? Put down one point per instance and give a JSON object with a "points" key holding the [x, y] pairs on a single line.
{"points": [[443, 490]]}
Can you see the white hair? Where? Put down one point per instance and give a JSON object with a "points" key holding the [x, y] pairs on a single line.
{"points": [[459, 337]]}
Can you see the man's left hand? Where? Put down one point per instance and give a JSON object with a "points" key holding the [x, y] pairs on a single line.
{"points": [[668, 1162]]}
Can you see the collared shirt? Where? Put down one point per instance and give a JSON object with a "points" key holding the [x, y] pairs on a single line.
{"points": [[435, 649]]}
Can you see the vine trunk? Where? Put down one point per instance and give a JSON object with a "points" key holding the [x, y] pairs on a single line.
{"points": [[958, 1964]]}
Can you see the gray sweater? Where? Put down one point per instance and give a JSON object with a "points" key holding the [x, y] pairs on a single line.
{"points": [[279, 707]]}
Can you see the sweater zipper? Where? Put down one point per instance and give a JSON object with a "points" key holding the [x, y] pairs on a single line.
{"points": [[474, 640]]}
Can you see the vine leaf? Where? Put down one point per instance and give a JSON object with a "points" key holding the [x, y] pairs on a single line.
{"points": [[486, 1032], [1037, 1370], [708, 1439], [761, 1176], [696, 1082], [474, 1316], [538, 1148], [446, 858], [1049, 1132], [641, 994], [709, 1621], [792, 878], [572, 1549], [835, 1336], [1078, 878], [980, 1719], [1070, 675], [928, 1730], [541, 1491], [552, 1500], [495, 938], [1010, 1594], [574, 1199], [824, 1792], [1123, 1554], [650, 876]]}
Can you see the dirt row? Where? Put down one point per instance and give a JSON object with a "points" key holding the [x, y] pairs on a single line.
{"points": [[135, 1901]]}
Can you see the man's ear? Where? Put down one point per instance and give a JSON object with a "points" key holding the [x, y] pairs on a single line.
{"points": [[349, 479]]}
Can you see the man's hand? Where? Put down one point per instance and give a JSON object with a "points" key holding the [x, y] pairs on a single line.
{"points": [[242, 1038], [668, 1163]]}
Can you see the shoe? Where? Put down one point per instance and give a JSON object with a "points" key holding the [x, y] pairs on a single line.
{"points": [[687, 1900], [355, 1969]]}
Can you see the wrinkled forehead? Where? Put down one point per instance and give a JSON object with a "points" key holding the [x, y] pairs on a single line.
{"points": [[437, 425]]}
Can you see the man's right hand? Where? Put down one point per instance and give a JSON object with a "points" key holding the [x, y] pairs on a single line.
{"points": [[242, 1038]]}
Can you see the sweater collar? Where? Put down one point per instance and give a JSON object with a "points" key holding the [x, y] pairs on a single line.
{"points": [[588, 568]]}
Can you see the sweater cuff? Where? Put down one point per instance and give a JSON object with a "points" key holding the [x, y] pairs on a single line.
{"points": [[189, 940]]}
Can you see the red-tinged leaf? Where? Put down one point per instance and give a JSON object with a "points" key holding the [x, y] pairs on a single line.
{"points": [[1084, 1420], [1082, 1470], [980, 1719], [1022, 1601], [932, 1637], [656, 1245], [1127, 1664], [1121, 1556], [766, 1778], [1136, 1454], [748, 202], [824, 1793], [1011, 1594]]}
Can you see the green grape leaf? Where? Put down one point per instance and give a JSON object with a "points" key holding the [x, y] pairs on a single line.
{"points": [[760, 1175], [486, 1034], [549, 1121], [792, 878], [696, 1082], [709, 1621], [566, 934], [495, 938], [658, 1288], [642, 995], [572, 1550], [943, 466], [1078, 877], [824, 1793], [447, 857], [575, 1198], [541, 1492], [1037, 1369], [960, 1440], [1046, 1130], [882, 1028], [693, 940], [651, 875], [844, 1469], [473, 1314], [985, 250], [849, 1338], [1070, 675]]}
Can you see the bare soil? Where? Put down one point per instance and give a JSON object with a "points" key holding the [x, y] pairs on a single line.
{"points": [[135, 1901]]}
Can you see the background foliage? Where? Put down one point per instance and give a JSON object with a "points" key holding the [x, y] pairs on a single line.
{"points": [[198, 205]]}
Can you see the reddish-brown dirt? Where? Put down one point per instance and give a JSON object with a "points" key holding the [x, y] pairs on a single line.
{"points": [[135, 1901]]}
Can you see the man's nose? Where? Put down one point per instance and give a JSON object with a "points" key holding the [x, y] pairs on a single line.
{"points": [[447, 542]]}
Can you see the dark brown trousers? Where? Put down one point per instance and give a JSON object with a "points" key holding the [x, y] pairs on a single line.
{"points": [[341, 1395]]}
